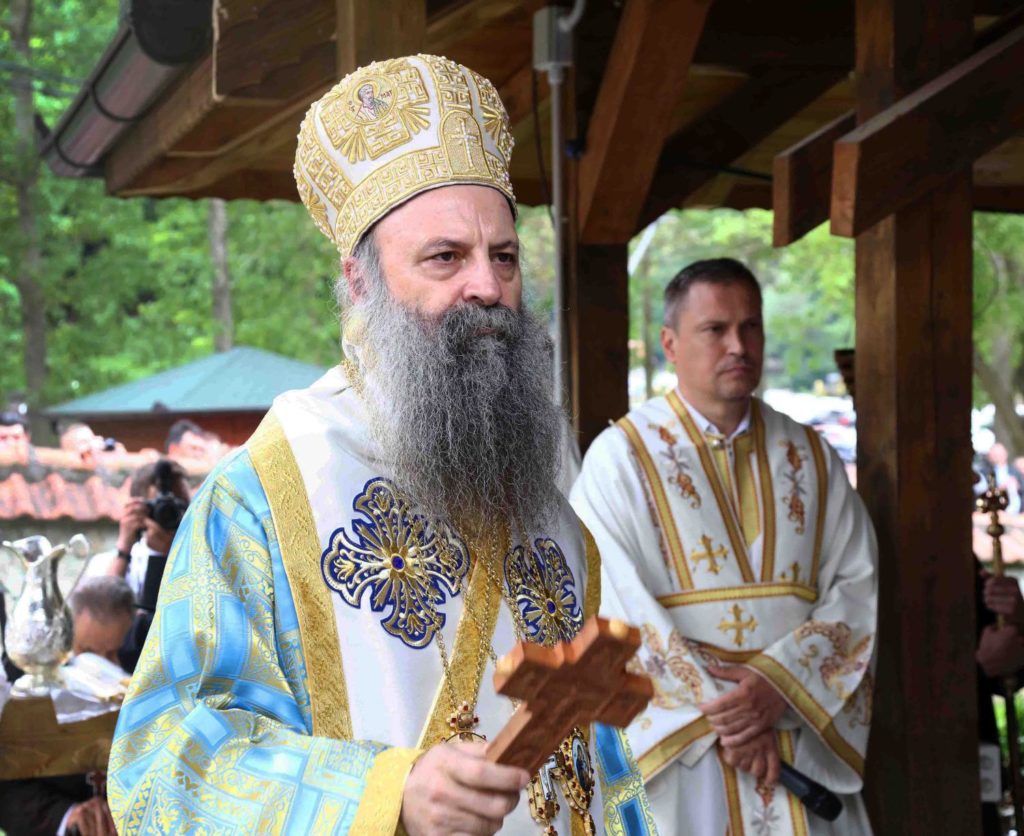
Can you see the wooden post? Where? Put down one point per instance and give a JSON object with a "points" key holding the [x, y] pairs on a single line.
{"points": [[371, 30], [914, 450], [598, 337]]}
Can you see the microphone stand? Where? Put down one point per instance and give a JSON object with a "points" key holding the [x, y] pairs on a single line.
{"points": [[992, 502]]}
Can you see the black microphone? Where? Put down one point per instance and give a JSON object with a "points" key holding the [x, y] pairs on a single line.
{"points": [[820, 801]]}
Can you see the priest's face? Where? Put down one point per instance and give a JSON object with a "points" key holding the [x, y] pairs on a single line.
{"points": [[717, 345], [450, 246]]}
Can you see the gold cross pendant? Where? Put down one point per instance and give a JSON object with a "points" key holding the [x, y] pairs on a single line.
{"points": [[462, 723]]}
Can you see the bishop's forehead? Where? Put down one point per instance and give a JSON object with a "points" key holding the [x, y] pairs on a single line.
{"points": [[392, 130]]}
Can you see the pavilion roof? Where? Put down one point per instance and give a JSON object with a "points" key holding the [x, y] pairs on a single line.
{"points": [[242, 379], [763, 77]]}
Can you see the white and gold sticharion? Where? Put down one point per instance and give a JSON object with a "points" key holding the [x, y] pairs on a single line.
{"points": [[394, 129]]}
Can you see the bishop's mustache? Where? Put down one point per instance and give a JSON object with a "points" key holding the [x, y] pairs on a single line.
{"points": [[464, 326]]}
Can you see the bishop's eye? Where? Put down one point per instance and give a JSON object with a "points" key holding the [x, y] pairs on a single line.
{"points": [[447, 257]]}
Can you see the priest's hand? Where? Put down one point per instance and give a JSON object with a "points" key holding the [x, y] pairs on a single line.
{"points": [[454, 789], [748, 710], [759, 757], [1000, 651], [1003, 596]]}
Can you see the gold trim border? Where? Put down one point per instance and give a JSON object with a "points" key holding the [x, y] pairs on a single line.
{"points": [[658, 756], [767, 494], [821, 473], [796, 809], [279, 473], [592, 594], [732, 795], [485, 600], [809, 708], [730, 593], [668, 523], [379, 812], [739, 545]]}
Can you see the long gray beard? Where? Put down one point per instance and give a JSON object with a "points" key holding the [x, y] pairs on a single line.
{"points": [[465, 419]]}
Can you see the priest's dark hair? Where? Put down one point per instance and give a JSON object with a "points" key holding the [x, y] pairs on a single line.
{"points": [[708, 271]]}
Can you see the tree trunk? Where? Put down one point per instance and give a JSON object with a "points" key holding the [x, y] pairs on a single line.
{"points": [[1007, 420], [223, 323], [28, 261], [649, 344]]}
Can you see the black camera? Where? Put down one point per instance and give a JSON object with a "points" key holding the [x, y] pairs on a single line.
{"points": [[166, 509]]}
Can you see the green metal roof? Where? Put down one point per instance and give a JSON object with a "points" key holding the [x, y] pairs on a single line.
{"points": [[235, 380]]}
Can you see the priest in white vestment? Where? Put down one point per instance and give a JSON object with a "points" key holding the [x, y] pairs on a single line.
{"points": [[342, 585], [730, 533]]}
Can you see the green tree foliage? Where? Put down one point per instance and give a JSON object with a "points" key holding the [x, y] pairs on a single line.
{"points": [[127, 282]]}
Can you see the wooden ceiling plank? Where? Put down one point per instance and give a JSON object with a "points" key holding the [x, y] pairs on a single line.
{"points": [[255, 40], [914, 145], [729, 130], [802, 182], [372, 30], [643, 80]]}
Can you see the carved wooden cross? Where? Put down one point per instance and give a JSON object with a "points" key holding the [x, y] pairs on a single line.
{"points": [[738, 625], [709, 554], [573, 684]]}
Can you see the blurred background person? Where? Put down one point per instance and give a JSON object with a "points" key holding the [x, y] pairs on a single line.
{"points": [[93, 450], [102, 609], [159, 497], [187, 441]]}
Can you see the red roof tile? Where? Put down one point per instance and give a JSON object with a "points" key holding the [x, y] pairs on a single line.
{"points": [[58, 485]]}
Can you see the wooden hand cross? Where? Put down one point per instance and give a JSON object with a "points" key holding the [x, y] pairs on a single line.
{"points": [[573, 684]]}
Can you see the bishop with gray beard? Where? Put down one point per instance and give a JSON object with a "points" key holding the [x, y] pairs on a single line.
{"points": [[460, 405]]}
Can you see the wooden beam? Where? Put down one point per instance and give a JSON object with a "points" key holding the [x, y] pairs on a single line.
{"points": [[802, 182], [919, 141], [803, 173], [913, 373], [643, 80], [372, 30], [697, 153], [185, 175]]}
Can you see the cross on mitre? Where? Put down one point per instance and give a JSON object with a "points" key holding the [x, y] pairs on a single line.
{"points": [[572, 684]]}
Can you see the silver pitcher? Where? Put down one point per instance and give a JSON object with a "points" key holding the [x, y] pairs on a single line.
{"points": [[39, 630]]}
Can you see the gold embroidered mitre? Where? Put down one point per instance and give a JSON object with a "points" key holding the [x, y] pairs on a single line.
{"points": [[394, 129]]}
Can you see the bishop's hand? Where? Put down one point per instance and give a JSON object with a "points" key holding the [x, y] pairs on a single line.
{"points": [[453, 789], [748, 710]]}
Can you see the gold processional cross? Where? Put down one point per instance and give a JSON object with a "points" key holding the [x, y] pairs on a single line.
{"points": [[738, 625], [710, 554]]}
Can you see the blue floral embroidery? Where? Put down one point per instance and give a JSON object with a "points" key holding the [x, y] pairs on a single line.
{"points": [[409, 564], [544, 591]]}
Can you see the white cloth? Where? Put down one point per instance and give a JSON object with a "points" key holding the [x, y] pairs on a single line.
{"points": [[797, 605], [327, 429]]}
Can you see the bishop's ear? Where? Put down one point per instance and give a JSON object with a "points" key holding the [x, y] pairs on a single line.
{"points": [[355, 280]]}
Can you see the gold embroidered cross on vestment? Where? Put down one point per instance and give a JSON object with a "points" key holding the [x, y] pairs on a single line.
{"points": [[738, 625]]}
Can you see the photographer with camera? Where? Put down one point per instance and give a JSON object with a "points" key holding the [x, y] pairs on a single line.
{"points": [[159, 499]]}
